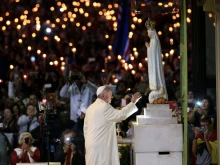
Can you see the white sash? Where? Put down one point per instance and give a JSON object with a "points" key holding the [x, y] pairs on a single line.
{"points": [[18, 151]]}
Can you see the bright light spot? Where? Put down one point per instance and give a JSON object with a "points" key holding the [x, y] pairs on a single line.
{"points": [[119, 57], [11, 67], [62, 68], [170, 29], [25, 76], [48, 30], [33, 59], [33, 35], [110, 47], [160, 3], [172, 51], [73, 50], [188, 20], [56, 63], [189, 11]]}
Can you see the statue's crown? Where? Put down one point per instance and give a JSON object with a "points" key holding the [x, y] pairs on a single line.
{"points": [[150, 24]]}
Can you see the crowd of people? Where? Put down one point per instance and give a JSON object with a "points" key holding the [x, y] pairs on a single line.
{"points": [[28, 80]]}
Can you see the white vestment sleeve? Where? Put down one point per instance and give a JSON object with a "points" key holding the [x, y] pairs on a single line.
{"points": [[115, 115], [85, 128]]}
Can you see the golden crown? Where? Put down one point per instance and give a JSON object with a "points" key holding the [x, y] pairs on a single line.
{"points": [[150, 24]]}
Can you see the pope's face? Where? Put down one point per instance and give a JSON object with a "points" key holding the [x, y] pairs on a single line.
{"points": [[108, 96]]}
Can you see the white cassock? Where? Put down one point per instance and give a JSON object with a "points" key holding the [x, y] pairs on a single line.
{"points": [[100, 132], [155, 66]]}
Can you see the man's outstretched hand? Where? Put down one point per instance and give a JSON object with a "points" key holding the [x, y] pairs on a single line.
{"points": [[136, 97]]}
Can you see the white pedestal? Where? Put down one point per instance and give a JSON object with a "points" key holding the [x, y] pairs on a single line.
{"points": [[158, 158], [157, 138]]}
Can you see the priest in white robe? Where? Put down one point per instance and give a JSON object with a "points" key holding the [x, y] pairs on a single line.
{"points": [[99, 128]]}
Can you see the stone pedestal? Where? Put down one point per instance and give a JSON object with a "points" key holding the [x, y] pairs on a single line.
{"points": [[157, 138]]}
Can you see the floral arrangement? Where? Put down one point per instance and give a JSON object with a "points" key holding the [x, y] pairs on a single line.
{"points": [[124, 154]]}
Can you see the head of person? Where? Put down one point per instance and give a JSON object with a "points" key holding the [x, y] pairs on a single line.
{"points": [[130, 123], [78, 77], [205, 123], [104, 93], [21, 106], [25, 137], [33, 99], [208, 105], [9, 103], [16, 109], [121, 86], [31, 110], [8, 114], [64, 117], [190, 95], [68, 137]]}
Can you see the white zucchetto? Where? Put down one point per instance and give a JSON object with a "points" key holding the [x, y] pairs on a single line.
{"points": [[100, 90]]}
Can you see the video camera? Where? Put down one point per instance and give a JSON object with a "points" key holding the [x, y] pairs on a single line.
{"points": [[75, 77], [202, 129]]}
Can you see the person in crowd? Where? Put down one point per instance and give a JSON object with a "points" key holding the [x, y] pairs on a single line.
{"points": [[15, 85], [28, 122], [67, 152], [9, 103], [33, 99], [16, 110], [5, 149], [191, 99], [10, 127], [25, 152], [120, 92], [65, 121], [80, 92], [206, 108], [204, 145], [129, 131], [100, 135], [21, 107]]}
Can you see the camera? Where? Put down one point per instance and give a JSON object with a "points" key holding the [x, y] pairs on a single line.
{"points": [[202, 129], [75, 77], [198, 104], [70, 139], [26, 140]]}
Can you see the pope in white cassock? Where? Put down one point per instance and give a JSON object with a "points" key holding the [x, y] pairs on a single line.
{"points": [[99, 128]]}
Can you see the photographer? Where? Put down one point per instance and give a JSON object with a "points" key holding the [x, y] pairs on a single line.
{"points": [[28, 122], [81, 93], [204, 145], [67, 152], [25, 152]]}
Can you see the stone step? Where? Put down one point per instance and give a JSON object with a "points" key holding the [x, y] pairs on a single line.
{"points": [[141, 120]]}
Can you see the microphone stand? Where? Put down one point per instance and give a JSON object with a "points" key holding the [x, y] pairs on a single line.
{"points": [[47, 124]]}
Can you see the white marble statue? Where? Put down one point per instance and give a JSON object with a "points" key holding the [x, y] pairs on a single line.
{"points": [[155, 67]]}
